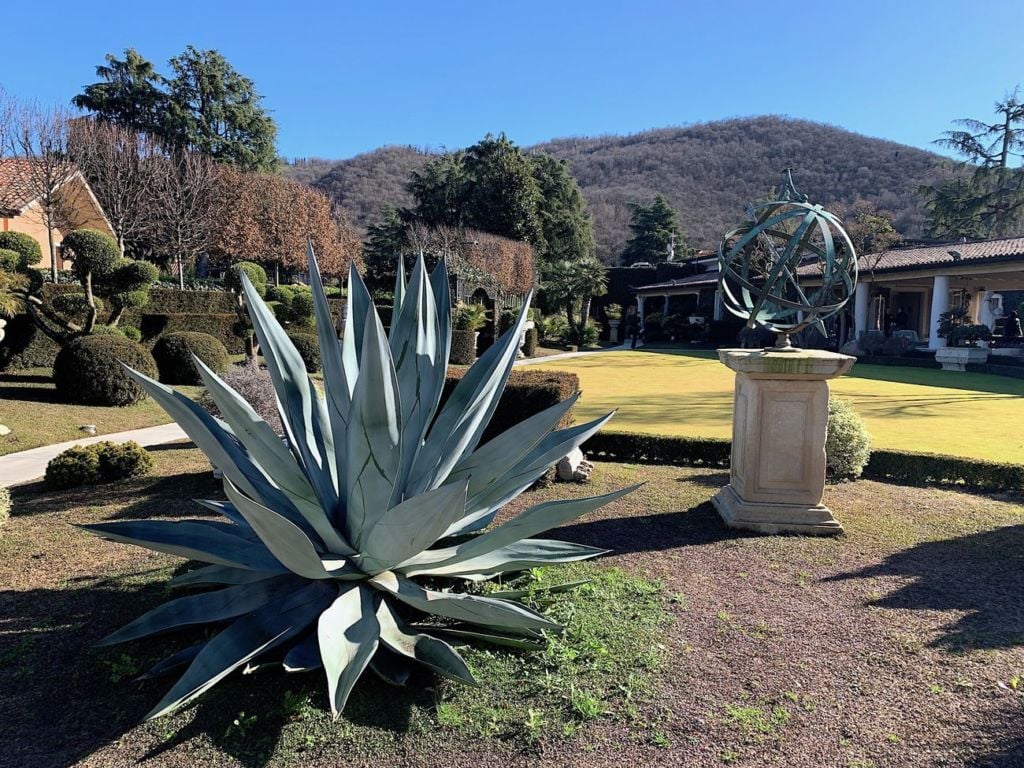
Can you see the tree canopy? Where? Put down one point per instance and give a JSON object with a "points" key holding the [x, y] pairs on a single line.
{"points": [[205, 105], [656, 233]]}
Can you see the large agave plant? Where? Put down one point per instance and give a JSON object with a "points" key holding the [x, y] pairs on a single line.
{"points": [[332, 535]]}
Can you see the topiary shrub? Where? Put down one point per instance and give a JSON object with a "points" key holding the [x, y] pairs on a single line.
{"points": [[654, 327], [224, 327], [253, 383], [308, 348], [78, 465], [88, 370], [5, 504], [302, 307], [100, 462], [848, 444], [173, 354], [463, 347], [120, 460], [26, 245], [133, 333], [257, 276], [92, 252], [530, 346], [10, 261]]}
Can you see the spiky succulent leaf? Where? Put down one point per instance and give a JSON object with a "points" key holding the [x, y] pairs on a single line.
{"points": [[324, 534]]}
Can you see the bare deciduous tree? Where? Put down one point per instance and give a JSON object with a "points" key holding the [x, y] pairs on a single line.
{"points": [[120, 164], [185, 206], [38, 138]]}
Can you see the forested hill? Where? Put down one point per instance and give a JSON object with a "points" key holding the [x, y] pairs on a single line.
{"points": [[709, 172]]}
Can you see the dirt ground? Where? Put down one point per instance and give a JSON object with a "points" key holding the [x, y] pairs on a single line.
{"points": [[895, 644]]}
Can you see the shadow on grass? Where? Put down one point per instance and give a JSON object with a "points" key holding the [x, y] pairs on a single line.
{"points": [[23, 378], [981, 574], [62, 698], [650, 533]]}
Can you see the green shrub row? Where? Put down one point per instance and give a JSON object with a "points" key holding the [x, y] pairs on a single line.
{"points": [[659, 449], [527, 393], [895, 466], [933, 468], [222, 326]]}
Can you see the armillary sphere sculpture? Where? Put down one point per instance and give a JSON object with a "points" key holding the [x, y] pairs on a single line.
{"points": [[761, 263]]}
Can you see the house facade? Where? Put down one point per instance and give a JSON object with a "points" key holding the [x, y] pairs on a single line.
{"points": [[916, 283], [21, 211]]}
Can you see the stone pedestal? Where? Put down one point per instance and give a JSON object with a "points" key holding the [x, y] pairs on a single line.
{"points": [[780, 416]]}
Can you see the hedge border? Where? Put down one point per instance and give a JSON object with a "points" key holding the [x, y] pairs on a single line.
{"points": [[902, 467]]}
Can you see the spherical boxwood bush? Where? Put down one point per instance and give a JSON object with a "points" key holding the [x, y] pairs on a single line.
{"points": [[26, 245], [88, 370], [309, 350], [10, 261], [302, 307], [101, 462], [463, 347], [257, 276], [92, 251], [132, 333], [848, 444], [173, 354]]}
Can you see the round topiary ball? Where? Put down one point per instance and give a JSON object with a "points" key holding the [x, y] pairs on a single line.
{"points": [[92, 252], [257, 276], [10, 261], [88, 370], [308, 347], [848, 444], [26, 245], [173, 354]]}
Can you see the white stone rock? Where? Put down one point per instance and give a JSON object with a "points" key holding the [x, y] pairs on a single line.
{"points": [[4, 430], [574, 468]]}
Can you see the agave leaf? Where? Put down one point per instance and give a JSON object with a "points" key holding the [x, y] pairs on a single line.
{"points": [[209, 575], [357, 309], [244, 640], [491, 460], [348, 634], [221, 447], [400, 283], [192, 540], [443, 304], [206, 607], [303, 412], [172, 662], [264, 445], [336, 384], [418, 366], [374, 434], [304, 656], [528, 553], [390, 667], [537, 519], [494, 638], [227, 509], [468, 410], [495, 614], [284, 539], [410, 527], [427, 650], [482, 507]]}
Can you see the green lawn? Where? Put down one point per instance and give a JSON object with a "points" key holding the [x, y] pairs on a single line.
{"points": [[673, 392], [30, 407]]}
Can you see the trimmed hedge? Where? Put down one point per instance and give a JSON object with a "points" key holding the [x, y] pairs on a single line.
{"points": [[164, 301], [25, 346], [527, 393], [895, 466], [659, 449], [925, 468], [463, 347], [173, 354], [530, 346], [308, 347], [100, 462], [88, 370], [222, 326]]}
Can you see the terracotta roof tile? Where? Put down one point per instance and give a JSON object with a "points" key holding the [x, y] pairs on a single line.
{"points": [[15, 189]]}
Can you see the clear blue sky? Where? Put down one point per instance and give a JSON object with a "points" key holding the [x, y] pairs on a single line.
{"points": [[344, 77]]}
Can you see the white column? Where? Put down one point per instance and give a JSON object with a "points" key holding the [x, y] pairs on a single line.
{"points": [[940, 304], [664, 308], [640, 309], [719, 308], [860, 309]]}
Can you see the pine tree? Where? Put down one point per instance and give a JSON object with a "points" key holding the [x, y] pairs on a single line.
{"points": [[656, 233]]}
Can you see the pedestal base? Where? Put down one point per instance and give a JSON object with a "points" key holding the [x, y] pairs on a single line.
{"points": [[766, 517]]}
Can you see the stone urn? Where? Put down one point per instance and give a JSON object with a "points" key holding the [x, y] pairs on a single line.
{"points": [[613, 331], [957, 358]]}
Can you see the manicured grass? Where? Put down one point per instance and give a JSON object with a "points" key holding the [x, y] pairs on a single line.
{"points": [[675, 392], [693, 645], [30, 407]]}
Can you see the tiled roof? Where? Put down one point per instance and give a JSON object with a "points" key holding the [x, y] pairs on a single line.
{"points": [[894, 260], [15, 189]]}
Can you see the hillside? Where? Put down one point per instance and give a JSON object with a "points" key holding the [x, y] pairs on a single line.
{"points": [[709, 172]]}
